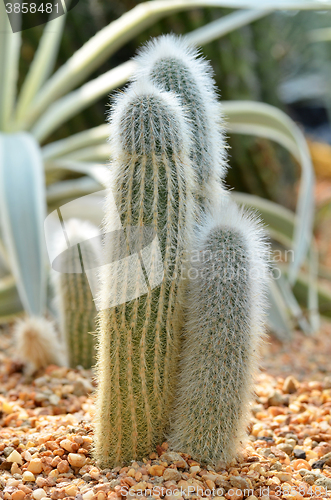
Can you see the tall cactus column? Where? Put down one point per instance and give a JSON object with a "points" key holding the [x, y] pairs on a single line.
{"points": [[224, 323], [152, 181], [171, 64]]}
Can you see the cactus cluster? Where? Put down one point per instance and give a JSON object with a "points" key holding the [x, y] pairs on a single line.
{"points": [[177, 359]]}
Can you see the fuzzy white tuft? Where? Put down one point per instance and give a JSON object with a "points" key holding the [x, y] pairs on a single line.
{"points": [[37, 343], [121, 133]]}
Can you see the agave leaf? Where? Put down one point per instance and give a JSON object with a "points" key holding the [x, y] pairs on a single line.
{"points": [[10, 303], [42, 65], [89, 208], [281, 222], [313, 311], [81, 140], [79, 99], [98, 152], [102, 45], [23, 210], [96, 171], [320, 35], [278, 317], [243, 117], [301, 290], [292, 304], [10, 44], [61, 192], [223, 26], [4, 270]]}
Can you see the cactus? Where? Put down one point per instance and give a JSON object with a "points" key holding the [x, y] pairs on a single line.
{"points": [[152, 182], [170, 63], [73, 298], [225, 311]]}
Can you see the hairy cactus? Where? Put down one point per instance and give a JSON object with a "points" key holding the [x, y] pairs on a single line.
{"points": [[171, 64], [73, 298], [152, 182], [224, 311]]}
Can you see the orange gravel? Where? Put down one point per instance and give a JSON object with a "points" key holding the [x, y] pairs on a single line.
{"points": [[46, 436]]}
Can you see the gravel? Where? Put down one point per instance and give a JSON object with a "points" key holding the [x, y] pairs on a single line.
{"points": [[45, 448]]}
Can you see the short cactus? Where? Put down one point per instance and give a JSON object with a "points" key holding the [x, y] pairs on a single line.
{"points": [[73, 298], [225, 312], [170, 63], [152, 182]]}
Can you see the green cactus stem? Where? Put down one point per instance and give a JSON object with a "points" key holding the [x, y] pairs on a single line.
{"points": [[224, 313], [171, 64], [73, 298], [152, 183]]}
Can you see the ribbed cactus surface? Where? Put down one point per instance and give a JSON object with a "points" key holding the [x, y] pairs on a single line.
{"points": [[73, 298], [173, 65], [152, 182], [224, 324]]}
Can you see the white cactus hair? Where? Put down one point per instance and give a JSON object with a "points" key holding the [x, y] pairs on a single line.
{"points": [[214, 390], [172, 46], [152, 184], [123, 100], [37, 343]]}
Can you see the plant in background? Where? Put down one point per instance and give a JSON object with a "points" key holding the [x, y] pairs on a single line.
{"points": [[74, 303], [225, 312], [174, 66], [153, 185]]}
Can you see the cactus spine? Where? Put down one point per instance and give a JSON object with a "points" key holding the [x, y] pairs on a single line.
{"points": [[171, 64], [152, 182], [73, 297], [224, 324]]}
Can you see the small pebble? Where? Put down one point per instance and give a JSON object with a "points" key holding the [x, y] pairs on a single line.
{"points": [[28, 476], [298, 453], [290, 385], [39, 494], [171, 475], [18, 495], [88, 495], [15, 457], [76, 459], [35, 466], [325, 482]]}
